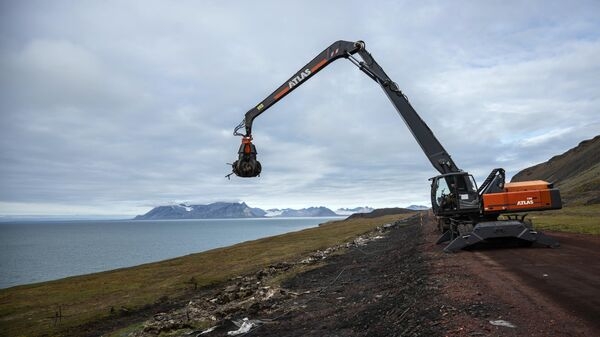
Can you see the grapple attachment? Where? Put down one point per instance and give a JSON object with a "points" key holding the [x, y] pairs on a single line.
{"points": [[247, 166]]}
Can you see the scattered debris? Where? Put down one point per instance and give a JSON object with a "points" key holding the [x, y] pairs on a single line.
{"points": [[244, 326], [249, 294], [501, 322]]}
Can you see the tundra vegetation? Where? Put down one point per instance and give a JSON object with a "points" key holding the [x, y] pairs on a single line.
{"points": [[583, 219]]}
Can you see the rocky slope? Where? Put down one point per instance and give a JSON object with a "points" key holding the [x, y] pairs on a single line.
{"points": [[576, 173]]}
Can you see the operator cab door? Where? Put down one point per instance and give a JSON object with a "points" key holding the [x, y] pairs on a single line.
{"points": [[454, 193]]}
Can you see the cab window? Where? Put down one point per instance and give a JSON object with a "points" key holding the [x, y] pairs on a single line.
{"points": [[441, 191]]}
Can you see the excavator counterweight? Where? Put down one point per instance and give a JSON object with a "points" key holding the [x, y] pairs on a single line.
{"points": [[466, 214]]}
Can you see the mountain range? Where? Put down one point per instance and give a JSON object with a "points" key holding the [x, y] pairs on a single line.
{"points": [[228, 210], [231, 210]]}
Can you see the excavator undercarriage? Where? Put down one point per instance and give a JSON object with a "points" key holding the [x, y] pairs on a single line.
{"points": [[460, 234]]}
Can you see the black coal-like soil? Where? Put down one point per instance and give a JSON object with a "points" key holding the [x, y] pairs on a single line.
{"points": [[380, 289]]}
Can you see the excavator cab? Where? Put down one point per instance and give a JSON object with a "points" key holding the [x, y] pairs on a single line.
{"points": [[454, 193]]}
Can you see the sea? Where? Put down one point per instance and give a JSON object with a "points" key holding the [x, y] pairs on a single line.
{"points": [[37, 251]]}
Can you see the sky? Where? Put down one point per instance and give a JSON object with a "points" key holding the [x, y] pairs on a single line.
{"points": [[114, 107]]}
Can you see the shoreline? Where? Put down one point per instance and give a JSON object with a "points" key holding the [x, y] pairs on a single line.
{"points": [[93, 246], [31, 309]]}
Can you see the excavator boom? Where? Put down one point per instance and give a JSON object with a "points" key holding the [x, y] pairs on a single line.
{"points": [[433, 149]]}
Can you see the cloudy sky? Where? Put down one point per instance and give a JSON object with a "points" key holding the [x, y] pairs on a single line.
{"points": [[113, 107]]}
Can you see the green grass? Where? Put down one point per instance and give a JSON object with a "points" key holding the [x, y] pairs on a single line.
{"points": [[574, 219], [29, 310]]}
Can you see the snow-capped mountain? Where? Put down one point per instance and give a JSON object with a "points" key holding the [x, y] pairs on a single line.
{"points": [[350, 211], [217, 210]]}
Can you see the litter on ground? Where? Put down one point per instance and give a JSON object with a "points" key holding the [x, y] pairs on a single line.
{"points": [[501, 322]]}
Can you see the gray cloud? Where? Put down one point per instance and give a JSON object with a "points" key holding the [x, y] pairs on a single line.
{"points": [[113, 107]]}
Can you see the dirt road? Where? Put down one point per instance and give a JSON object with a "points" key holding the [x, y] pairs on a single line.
{"points": [[568, 276], [541, 291]]}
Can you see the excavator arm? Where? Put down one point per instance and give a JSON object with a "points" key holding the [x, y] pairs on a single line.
{"points": [[248, 166], [335, 51]]}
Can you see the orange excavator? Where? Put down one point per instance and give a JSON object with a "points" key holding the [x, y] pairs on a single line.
{"points": [[466, 214]]}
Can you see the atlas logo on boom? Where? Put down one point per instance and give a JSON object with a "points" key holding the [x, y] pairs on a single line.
{"points": [[299, 78]]}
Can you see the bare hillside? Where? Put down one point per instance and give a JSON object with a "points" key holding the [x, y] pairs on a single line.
{"points": [[576, 172]]}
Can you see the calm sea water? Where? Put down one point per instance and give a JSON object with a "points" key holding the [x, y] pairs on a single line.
{"points": [[36, 251]]}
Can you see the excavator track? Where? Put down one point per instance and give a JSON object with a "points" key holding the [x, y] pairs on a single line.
{"points": [[490, 230]]}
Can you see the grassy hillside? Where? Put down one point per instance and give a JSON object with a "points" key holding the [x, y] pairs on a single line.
{"points": [[576, 173], [574, 219], [30, 310]]}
